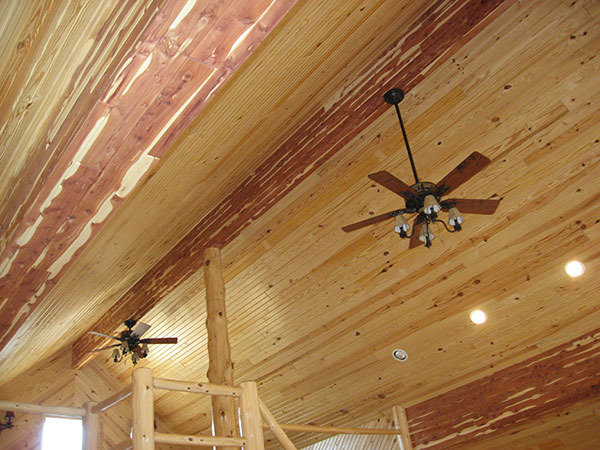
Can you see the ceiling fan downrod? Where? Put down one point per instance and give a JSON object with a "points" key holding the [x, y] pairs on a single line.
{"points": [[394, 97]]}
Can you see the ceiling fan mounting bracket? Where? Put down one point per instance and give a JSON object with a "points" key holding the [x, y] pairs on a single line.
{"points": [[394, 96]]}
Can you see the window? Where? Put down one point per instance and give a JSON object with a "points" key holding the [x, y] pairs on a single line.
{"points": [[62, 434]]}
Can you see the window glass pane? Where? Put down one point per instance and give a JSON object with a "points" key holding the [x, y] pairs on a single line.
{"points": [[62, 434]]}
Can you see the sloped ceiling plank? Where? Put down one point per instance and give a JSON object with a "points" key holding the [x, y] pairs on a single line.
{"points": [[153, 98], [541, 385], [325, 133], [43, 113]]}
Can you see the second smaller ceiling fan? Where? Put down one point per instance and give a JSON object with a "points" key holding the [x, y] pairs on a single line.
{"points": [[131, 342]]}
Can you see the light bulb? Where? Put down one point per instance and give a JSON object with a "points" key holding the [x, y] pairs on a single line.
{"points": [[425, 230], [401, 224], [454, 217], [430, 205], [400, 355], [478, 317], [574, 268]]}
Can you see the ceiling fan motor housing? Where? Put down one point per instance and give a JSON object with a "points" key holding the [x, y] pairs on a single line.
{"points": [[423, 189]]}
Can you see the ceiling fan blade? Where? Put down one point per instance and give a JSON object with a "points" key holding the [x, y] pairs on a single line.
{"points": [[389, 181], [370, 221], [104, 348], [105, 335], [414, 240], [169, 340], [472, 165], [471, 206], [141, 329]]}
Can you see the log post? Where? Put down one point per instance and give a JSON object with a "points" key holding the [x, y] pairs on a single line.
{"points": [[401, 423], [91, 428], [143, 409], [220, 367], [251, 417]]}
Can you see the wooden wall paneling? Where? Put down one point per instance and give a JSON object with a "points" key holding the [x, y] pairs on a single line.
{"points": [[50, 384], [94, 382]]}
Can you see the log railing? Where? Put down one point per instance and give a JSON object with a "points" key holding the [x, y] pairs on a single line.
{"points": [[144, 437], [51, 411], [112, 400]]}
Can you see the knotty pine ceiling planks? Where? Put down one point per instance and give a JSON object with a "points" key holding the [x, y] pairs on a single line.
{"points": [[295, 329], [325, 133], [315, 312]]}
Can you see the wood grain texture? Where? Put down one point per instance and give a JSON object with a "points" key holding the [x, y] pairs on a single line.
{"points": [[539, 386], [156, 84], [301, 155], [315, 313], [286, 271], [220, 369], [53, 382]]}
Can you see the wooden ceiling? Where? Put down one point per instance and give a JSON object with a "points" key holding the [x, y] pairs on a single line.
{"points": [[134, 135]]}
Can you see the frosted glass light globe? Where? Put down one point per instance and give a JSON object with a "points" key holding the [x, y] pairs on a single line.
{"points": [[574, 268], [478, 317]]}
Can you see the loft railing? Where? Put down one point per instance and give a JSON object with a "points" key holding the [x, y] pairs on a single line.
{"points": [[144, 437]]}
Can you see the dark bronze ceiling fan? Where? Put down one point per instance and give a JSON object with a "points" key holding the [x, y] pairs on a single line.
{"points": [[425, 198], [130, 341]]}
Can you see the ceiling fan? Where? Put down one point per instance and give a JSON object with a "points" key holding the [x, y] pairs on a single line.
{"points": [[130, 341], [425, 198]]}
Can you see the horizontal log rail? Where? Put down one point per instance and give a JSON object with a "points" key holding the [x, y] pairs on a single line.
{"points": [[35, 408], [336, 430], [112, 400], [123, 445], [197, 388], [200, 441]]}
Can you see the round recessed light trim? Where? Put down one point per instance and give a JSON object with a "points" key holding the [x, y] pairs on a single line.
{"points": [[400, 355], [574, 268], [478, 317]]}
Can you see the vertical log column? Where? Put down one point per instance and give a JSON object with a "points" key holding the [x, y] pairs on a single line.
{"points": [[143, 409], [401, 423], [220, 368], [91, 428], [251, 417]]}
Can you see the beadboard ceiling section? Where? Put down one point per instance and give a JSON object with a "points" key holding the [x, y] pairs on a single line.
{"points": [[136, 136], [104, 114]]}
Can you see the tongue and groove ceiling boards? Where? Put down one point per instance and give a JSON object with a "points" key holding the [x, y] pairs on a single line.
{"points": [[135, 137], [133, 105]]}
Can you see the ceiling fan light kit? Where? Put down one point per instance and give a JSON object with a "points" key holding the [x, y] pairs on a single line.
{"points": [[424, 198], [131, 342]]}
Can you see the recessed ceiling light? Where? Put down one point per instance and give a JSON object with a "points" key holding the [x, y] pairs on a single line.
{"points": [[478, 316], [574, 268], [400, 355]]}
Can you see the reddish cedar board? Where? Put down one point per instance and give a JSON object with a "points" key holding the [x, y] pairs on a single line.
{"points": [[97, 178], [541, 385]]}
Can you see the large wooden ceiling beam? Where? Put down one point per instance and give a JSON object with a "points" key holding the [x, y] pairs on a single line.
{"points": [[164, 78], [541, 385], [432, 39]]}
